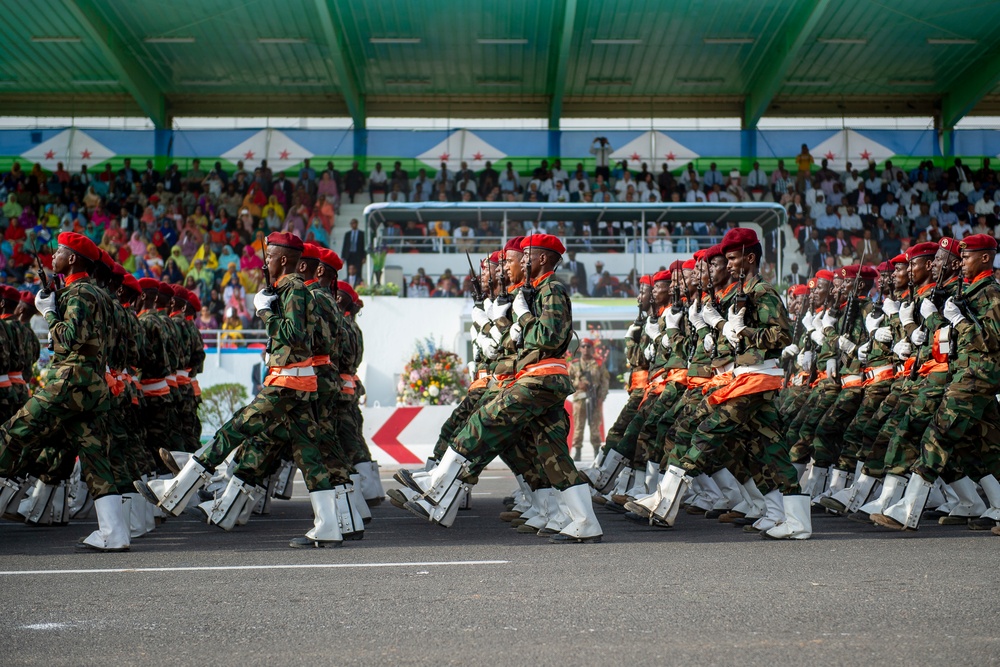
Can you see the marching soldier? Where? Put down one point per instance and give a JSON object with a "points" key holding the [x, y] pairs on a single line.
{"points": [[590, 379]]}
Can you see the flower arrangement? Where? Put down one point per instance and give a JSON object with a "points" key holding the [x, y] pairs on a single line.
{"points": [[432, 377], [388, 289]]}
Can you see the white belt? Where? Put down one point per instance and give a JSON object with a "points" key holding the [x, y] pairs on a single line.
{"points": [[767, 367], [172, 376], [183, 373], [4, 378], [725, 369], [851, 378], [305, 371], [161, 384], [798, 381], [878, 371]]}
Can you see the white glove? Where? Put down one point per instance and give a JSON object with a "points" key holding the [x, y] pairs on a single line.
{"points": [[731, 333], [828, 321], [789, 352], [665, 342], [953, 312], [496, 334], [890, 306], [709, 342], [906, 311], [649, 352], [516, 332], [927, 308], [817, 337], [883, 335], [632, 330], [872, 323], [863, 352], [805, 360], [672, 319], [498, 311], [487, 305], [831, 367], [652, 327], [711, 316], [45, 304], [695, 318], [479, 317], [520, 305], [846, 345], [262, 300], [807, 321], [736, 319], [487, 345], [903, 350], [919, 336]]}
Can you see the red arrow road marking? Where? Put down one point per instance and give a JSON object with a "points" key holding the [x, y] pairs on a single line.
{"points": [[386, 436]]}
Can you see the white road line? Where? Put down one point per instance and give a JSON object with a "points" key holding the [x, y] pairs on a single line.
{"points": [[303, 566]]}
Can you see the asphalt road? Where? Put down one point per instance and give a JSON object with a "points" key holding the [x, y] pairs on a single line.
{"points": [[479, 593]]}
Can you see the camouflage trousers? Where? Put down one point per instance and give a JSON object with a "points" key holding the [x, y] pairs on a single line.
{"points": [[963, 437], [350, 429], [456, 420], [652, 433], [800, 432], [158, 418], [327, 435], [614, 435], [854, 448], [74, 432], [589, 414], [751, 423], [903, 449], [531, 405], [276, 418], [879, 431], [10, 402], [188, 422], [828, 443], [792, 400], [694, 410]]}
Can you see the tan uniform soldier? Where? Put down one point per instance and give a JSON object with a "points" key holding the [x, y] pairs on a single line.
{"points": [[590, 380]]}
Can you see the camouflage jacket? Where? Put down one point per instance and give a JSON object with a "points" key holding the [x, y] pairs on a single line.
{"points": [[175, 339], [30, 347], [592, 375], [154, 360], [850, 364], [676, 354], [118, 335], [290, 323], [977, 362], [934, 322], [506, 361], [326, 337], [724, 352], [767, 330], [136, 347], [75, 373], [10, 350], [196, 357], [547, 334]]}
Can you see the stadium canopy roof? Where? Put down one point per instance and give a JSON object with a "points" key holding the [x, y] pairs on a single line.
{"points": [[501, 58]]}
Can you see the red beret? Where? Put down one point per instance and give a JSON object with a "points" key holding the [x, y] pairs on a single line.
{"points": [[899, 259], [978, 242], [149, 283], [689, 264], [854, 271], [951, 245], [165, 288], [81, 245], [646, 280], [27, 297], [310, 251], [700, 254], [193, 299], [118, 270], [714, 251], [676, 265], [494, 257], [921, 250], [823, 274], [661, 275], [884, 267], [130, 282], [106, 260], [348, 290], [545, 241], [285, 240], [739, 237], [10, 293], [331, 259], [514, 244], [798, 290]]}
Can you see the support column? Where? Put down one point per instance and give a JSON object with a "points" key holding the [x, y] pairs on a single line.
{"points": [[748, 148], [163, 149], [361, 146]]}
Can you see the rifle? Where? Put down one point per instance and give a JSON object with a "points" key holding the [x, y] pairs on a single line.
{"points": [[676, 287], [811, 345], [490, 268], [741, 298], [935, 296], [268, 285], [797, 332], [503, 297], [476, 287], [850, 313], [527, 289]]}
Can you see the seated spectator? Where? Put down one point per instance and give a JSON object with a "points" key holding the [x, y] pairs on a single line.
{"points": [[206, 321], [378, 181], [851, 221], [422, 188], [464, 237], [447, 286], [413, 237], [231, 328], [354, 181], [606, 286], [400, 178], [420, 285]]}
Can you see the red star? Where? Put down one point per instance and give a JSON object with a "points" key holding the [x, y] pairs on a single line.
{"points": [[635, 157], [445, 156], [865, 155], [829, 155], [283, 155], [248, 155], [671, 157], [477, 157], [50, 155], [85, 154]]}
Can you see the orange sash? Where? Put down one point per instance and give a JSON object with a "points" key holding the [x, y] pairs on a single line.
{"points": [[871, 377], [321, 360], [678, 375], [933, 366], [16, 378], [155, 387], [693, 381], [638, 380], [296, 382], [720, 380], [544, 367], [821, 375], [746, 385]]}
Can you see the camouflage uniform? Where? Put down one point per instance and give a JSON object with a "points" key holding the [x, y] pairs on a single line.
{"points": [[279, 416], [964, 436], [74, 396], [531, 399], [9, 353], [192, 361], [588, 404], [154, 367]]}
